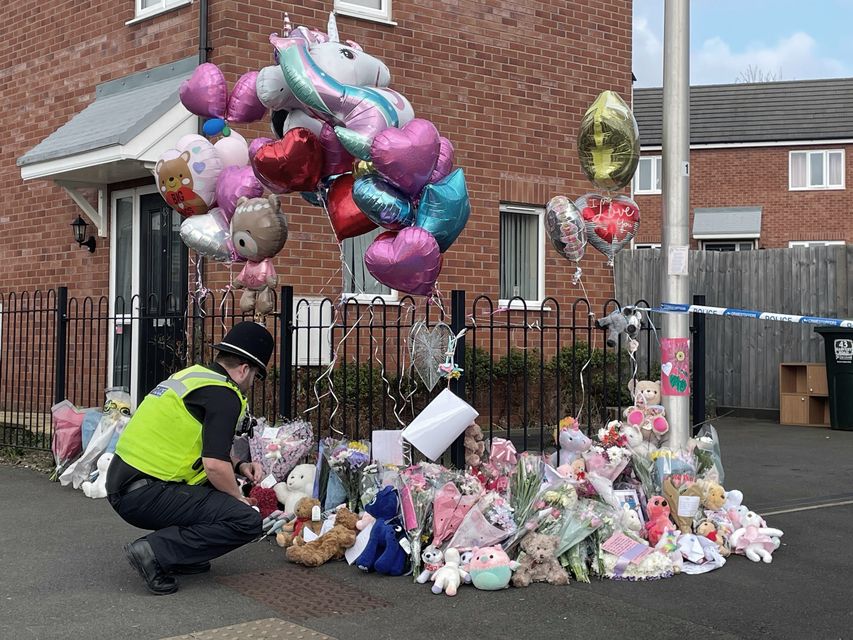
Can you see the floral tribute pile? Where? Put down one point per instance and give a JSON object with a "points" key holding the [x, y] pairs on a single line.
{"points": [[619, 505]]}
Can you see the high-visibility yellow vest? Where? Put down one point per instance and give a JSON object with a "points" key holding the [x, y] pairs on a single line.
{"points": [[163, 439]]}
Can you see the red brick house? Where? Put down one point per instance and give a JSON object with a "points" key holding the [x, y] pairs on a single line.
{"points": [[90, 101], [768, 165]]}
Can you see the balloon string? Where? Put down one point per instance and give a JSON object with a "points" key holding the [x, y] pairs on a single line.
{"points": [[590, 319]]}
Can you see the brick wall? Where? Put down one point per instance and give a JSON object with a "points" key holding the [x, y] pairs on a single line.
{"points": [[506, 82], [739, 177]]}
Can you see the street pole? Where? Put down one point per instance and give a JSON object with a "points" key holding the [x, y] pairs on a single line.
{"points": [[676, 191]]}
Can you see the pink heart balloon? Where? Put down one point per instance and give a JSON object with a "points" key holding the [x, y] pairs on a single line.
{"points": [[243, 103], [205, 92], [408, 261], [336, 159], [407, 157], [234, 183], [444, 165]]}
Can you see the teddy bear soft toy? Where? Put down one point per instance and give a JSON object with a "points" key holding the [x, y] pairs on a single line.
{"points": [[383, 552], [259, 232], [755, 539], [329, 546], [659, 522], [450, 576], [572, 442], [306, 518], [647, 412], [713, 495], [475, 446], [98, 488], [709, 530], [539, 562], [433, 560], [299, 484]]}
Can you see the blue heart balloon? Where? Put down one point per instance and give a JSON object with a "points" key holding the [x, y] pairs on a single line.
{"points": [[383, 204], [444, 209], [213, 127]]}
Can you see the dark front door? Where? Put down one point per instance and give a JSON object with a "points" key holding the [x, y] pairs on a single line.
{"points": [[162, 292]]}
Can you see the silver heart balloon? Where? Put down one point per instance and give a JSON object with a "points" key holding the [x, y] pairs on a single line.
{"points": [[565, 227], [209, 235], [428, 347]]}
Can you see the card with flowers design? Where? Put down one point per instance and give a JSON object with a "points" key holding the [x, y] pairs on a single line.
{"points": [[675, 366]]}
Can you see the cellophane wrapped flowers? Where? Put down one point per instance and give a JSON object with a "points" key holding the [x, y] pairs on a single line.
{"points": [[347, 459]]}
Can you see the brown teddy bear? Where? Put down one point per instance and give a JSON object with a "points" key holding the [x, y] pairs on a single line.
{"points": [[713, 495], [475, 446], [176, 185], [331, 545], [539, 562], [293, 529], [259, 232]]}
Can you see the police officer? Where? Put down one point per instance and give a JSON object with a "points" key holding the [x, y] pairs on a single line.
{"points": [[174, 472]]}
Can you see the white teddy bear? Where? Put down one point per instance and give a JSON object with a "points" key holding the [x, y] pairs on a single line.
{"points": [[755, 539], [450, 576], [98, 488], [299, 484]]}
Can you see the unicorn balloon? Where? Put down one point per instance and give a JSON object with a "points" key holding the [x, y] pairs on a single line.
{"points": [[336, 82]]}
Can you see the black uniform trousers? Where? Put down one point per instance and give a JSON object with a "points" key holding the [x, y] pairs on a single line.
{"points": [[191, 524]]}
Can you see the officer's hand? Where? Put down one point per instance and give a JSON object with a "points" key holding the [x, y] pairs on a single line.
{"points": [[253, 471]]}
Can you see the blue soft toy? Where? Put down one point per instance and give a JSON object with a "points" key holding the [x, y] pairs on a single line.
{"points": [[383, 552]]}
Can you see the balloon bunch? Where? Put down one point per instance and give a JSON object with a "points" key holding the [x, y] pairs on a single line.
{"points": [[609, 151], [351, 145]]}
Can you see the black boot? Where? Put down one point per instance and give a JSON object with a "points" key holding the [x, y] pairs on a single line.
{"points": [[141, 557], [190, 569]]}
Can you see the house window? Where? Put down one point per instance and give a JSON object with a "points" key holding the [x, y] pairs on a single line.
{"points": [[149, 8], [815, 243], [647, 245], [728, 245], [377, 10], [816, 170], [358, 283], [648, 176], [522, 256]]}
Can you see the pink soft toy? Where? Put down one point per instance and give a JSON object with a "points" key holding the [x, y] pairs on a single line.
{"points": [[754, 539], [659, 522]]}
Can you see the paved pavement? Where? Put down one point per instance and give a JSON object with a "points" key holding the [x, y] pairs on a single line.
{"points": [[64, 576]]}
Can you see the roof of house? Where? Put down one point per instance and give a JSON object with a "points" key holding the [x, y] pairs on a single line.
{"points": [[760, 112], [122, 109]]}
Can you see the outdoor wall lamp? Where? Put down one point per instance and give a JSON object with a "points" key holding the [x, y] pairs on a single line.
{"points": [[79, 228]]}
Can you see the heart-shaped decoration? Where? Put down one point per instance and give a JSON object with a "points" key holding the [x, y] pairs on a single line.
{"points": [[611, 222], [205, 92], [407, 157], [666, 368], [198, 167], [427, 347], [382, 203], [336, 159], [293, 163], [235, 183], [444, 209], [444, 164], [347, 219], [243, 103], [408, 261], [209, 235], [566, 228]]}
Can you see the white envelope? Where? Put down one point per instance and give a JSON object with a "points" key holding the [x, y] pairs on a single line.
{"points": [[439, 424]]}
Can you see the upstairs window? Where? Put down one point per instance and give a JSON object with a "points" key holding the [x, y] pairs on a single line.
{"points": [[816, 170]]}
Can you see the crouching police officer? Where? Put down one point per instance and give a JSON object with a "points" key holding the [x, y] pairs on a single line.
{"points": [[173, 471]]}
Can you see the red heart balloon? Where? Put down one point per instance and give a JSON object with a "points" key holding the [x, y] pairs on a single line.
{"points": [[611, 223], [294, 163], [348, 221]]}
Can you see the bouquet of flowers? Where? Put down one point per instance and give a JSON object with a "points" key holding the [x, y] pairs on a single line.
{"points": [[609, 456], [525, 483], [418, 485], [577, 525], [552, 501], [279, 449], [452, 502], [488, 523], [347, 459]]}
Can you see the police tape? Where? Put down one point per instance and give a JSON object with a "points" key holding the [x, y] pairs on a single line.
{"points": [[669, 307]]}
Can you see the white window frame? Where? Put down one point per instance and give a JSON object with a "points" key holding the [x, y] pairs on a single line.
{"points": [[312, 323], [655, 160], [733, 240], [163, 6], [530, 305], [647, 245], [354, 10], [808, 153], [815, 243], [365, 298]]}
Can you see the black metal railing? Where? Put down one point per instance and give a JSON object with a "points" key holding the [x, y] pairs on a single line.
{"points": [[349, 364]]}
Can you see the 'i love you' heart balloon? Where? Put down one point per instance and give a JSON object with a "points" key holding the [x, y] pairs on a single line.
{"points": [[611, 222]]}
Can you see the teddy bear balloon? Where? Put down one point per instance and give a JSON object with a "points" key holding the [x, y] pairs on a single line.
{"points": [[259, 232]]}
